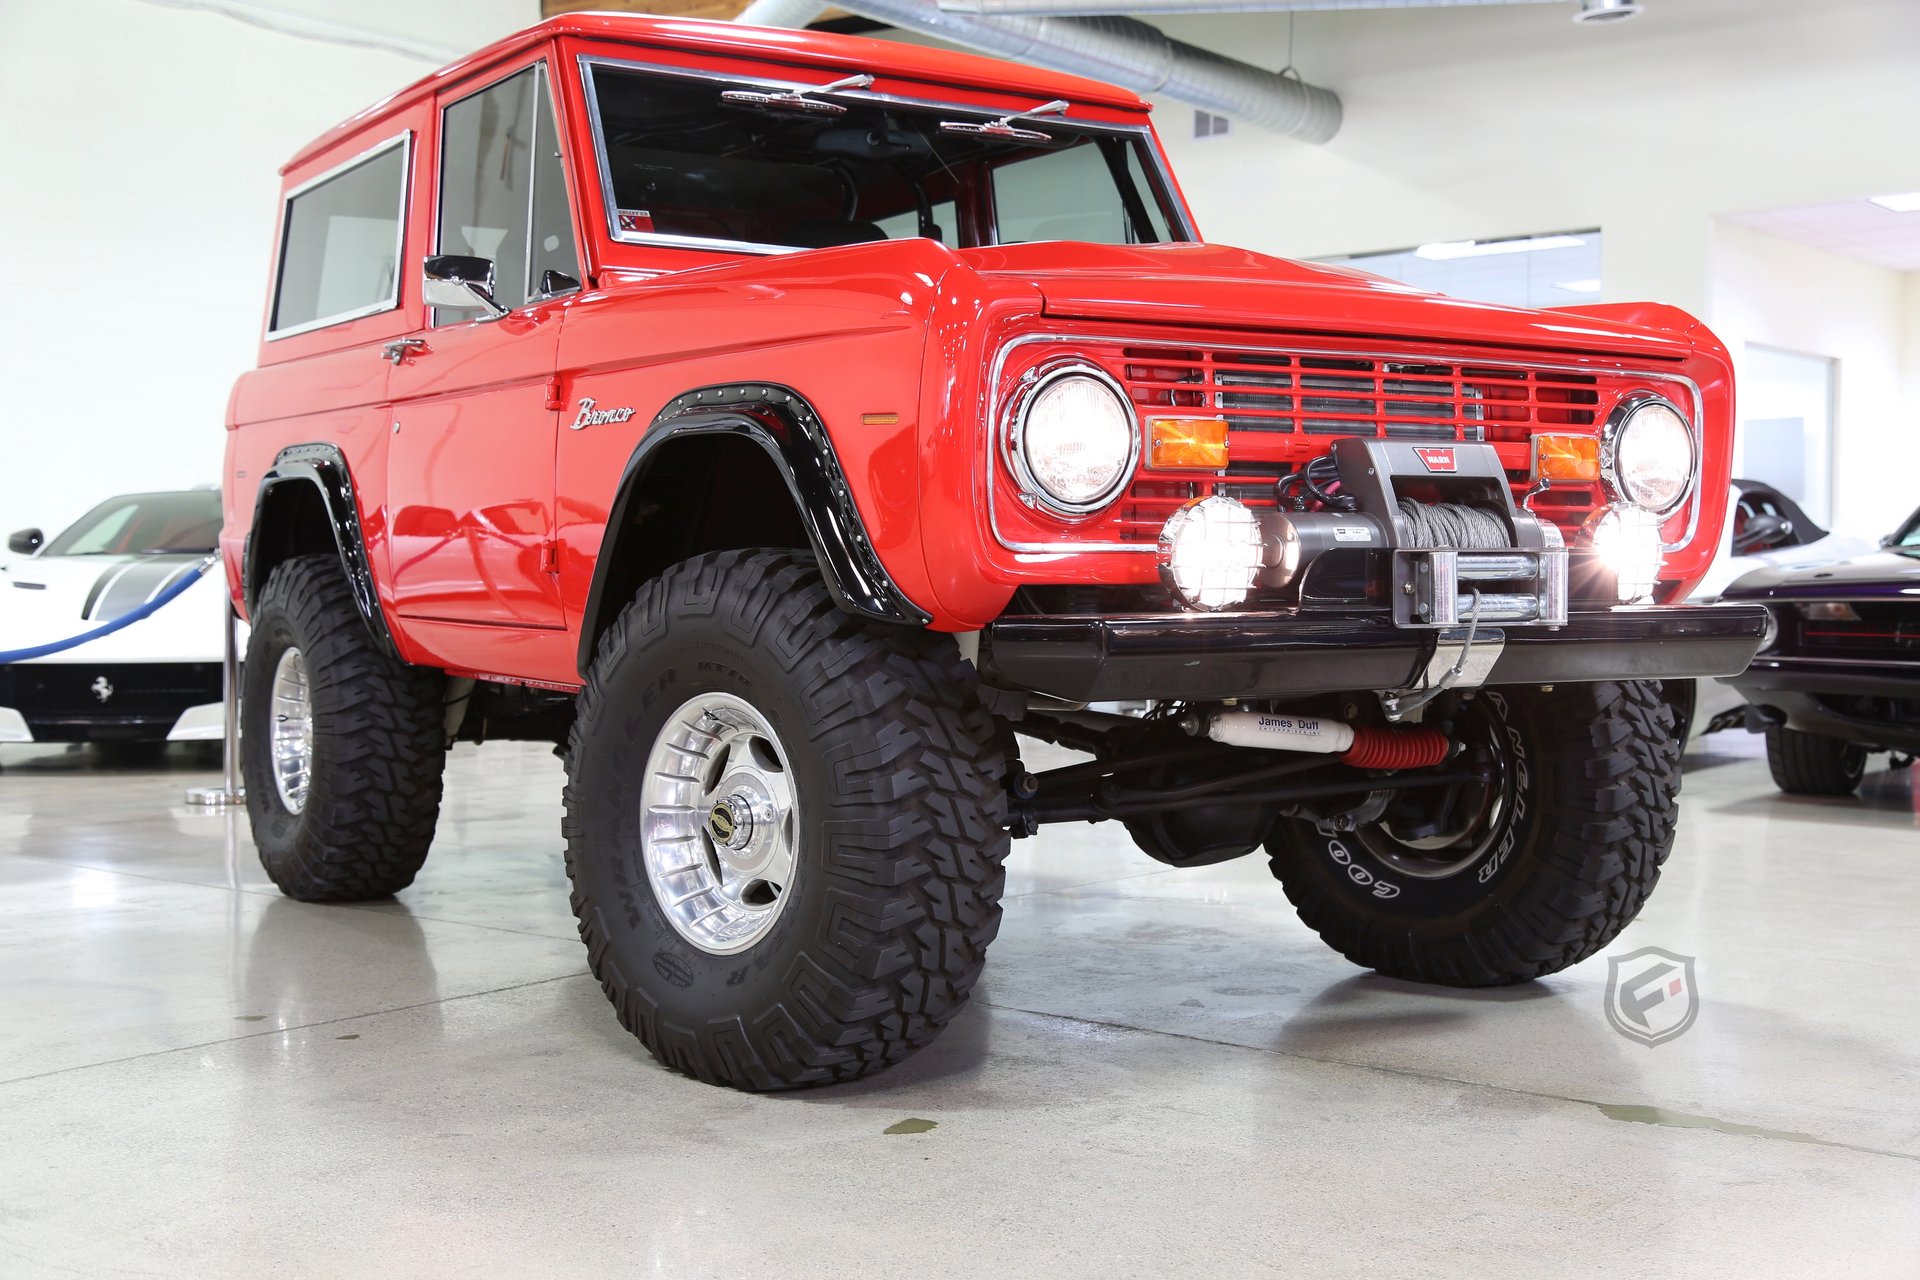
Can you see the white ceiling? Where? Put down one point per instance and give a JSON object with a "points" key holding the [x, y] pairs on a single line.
{"points": [[1850, 228]]}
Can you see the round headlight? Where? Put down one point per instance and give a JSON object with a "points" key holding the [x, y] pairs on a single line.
{"points": [[1075, 440], [1653, 457]]}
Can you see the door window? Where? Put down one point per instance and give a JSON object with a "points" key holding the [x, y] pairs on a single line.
{"points": [[340, 243], [503, 192]]}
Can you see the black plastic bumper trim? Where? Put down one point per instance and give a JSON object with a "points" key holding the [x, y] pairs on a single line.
{"points": [[1207, 656]]}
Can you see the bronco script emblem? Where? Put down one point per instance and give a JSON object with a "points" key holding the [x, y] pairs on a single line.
{"points": [[1651, 996], [592, 417]]}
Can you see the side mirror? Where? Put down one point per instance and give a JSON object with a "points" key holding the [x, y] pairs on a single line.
{"points": [[460, 283], [26, 542]]}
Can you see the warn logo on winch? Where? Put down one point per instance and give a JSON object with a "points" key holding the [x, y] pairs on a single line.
{"points": [[1437, 459]]}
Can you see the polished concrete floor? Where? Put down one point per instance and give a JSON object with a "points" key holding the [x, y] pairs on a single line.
{"points": [[1163, 1074]]}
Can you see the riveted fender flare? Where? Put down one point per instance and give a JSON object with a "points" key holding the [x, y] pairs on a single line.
{"points": [[324, 467], [782, 423]]}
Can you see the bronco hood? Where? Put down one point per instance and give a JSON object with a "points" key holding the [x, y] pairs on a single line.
{"points": [[1219, 287]]}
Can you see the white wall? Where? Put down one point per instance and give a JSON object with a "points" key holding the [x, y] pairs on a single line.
{"points": [[1502, 120], [141, 153], [1790, 296]]}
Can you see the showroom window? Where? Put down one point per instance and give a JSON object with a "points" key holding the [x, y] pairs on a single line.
{"points": [[503, 193], [340, 243], [1555, 269]]}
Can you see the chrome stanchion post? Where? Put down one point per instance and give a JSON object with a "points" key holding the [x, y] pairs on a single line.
{"points": [[229, 792]]}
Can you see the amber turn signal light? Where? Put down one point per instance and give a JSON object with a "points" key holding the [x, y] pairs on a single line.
{"points": [[1194, 444], [1566, 459]]}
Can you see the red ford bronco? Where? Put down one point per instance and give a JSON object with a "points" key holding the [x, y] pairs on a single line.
{"points": [[782, 422]]}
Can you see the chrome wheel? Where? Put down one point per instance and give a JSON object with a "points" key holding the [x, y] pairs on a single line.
{"points": [[718, 823], [291, 730]]}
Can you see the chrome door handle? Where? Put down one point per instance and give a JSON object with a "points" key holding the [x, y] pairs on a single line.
{"points": [[396, 352]]}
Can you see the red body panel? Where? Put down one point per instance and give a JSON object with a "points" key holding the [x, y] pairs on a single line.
{"points": [[484, 513]]}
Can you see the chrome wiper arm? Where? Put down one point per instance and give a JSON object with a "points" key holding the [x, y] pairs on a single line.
{"points": [[797, 99], [1004, 128]]}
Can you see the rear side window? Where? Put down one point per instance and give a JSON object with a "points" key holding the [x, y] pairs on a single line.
{"points": [[340, 243]]}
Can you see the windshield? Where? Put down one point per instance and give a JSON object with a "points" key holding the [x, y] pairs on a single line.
{"points": [[1909, 534], [730, 163], [144, 524]]}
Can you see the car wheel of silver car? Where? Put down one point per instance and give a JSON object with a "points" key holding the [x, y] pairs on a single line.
{"points": [[342, 743], [1534, 866], [785, 826]]}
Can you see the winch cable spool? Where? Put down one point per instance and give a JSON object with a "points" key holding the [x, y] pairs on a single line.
{"points": [[1452, 525]]}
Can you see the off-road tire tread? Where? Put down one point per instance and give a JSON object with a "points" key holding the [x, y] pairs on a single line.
{"points": [[924, 812], [1615, 762], [369, 822], [1812, 764]]}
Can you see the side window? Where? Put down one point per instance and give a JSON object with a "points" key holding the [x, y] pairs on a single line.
{"points": [[340, 244], [503, 194]]}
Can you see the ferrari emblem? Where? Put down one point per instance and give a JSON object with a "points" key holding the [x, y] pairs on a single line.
{"points": [[102, 688]]}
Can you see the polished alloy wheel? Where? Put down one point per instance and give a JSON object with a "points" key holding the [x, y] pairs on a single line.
{"points": [[292, 730], [718, 822]]}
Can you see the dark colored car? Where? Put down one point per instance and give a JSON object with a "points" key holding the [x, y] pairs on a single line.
{"points": [[1840, 678]]}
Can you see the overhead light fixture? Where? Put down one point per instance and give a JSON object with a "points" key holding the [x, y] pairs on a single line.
{"points": [[1607, 10], [1447, 250], [1906, 203], [1579, 286]]}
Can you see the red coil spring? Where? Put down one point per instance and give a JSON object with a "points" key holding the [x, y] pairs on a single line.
{"points": [[1407, 748]]}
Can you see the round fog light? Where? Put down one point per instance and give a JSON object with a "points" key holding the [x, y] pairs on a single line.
{"points": [[1211, 553], [1628, 542]]}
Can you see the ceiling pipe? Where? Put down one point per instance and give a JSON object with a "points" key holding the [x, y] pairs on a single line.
{"points": [[1588, 9], [1120, 51], [782, 13]]}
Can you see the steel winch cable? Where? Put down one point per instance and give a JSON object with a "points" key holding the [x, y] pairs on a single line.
{"points": [[1452, 525]]}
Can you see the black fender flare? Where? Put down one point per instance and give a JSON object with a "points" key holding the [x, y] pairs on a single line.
{"points": [[323, 466], [780, 421]]}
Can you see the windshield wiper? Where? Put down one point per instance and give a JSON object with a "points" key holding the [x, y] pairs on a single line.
{"points": [[796, 99], [1004, 128]]}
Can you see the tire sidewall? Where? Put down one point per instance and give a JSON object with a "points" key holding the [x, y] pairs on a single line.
{"points": [[1348, 869], [688, 658]]}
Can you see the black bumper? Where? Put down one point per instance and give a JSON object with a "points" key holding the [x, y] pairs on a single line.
{"points": [[1826, 696], [62, 702], [1201, 657]]}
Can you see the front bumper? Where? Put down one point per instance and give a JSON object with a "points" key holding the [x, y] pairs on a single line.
{"points": [[1203, 657], [110, 702], [1814, 694]]}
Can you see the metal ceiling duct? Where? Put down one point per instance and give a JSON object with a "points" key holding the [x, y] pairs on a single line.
{"points": [[1062, 8], [1121, 51]]}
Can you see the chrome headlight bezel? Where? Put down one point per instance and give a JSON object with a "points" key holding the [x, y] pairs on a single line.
{"points": [[1032, 385], [1613, 435]]}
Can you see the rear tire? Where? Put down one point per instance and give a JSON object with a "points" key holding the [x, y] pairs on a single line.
{"points": [[1812, 764], [357, 823], [867, 747], [1563, 854]]}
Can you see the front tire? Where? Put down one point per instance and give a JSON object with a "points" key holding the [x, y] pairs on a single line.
{"points": [[1534, 871], [342, 746], [1812, 764], [785, 826]]}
